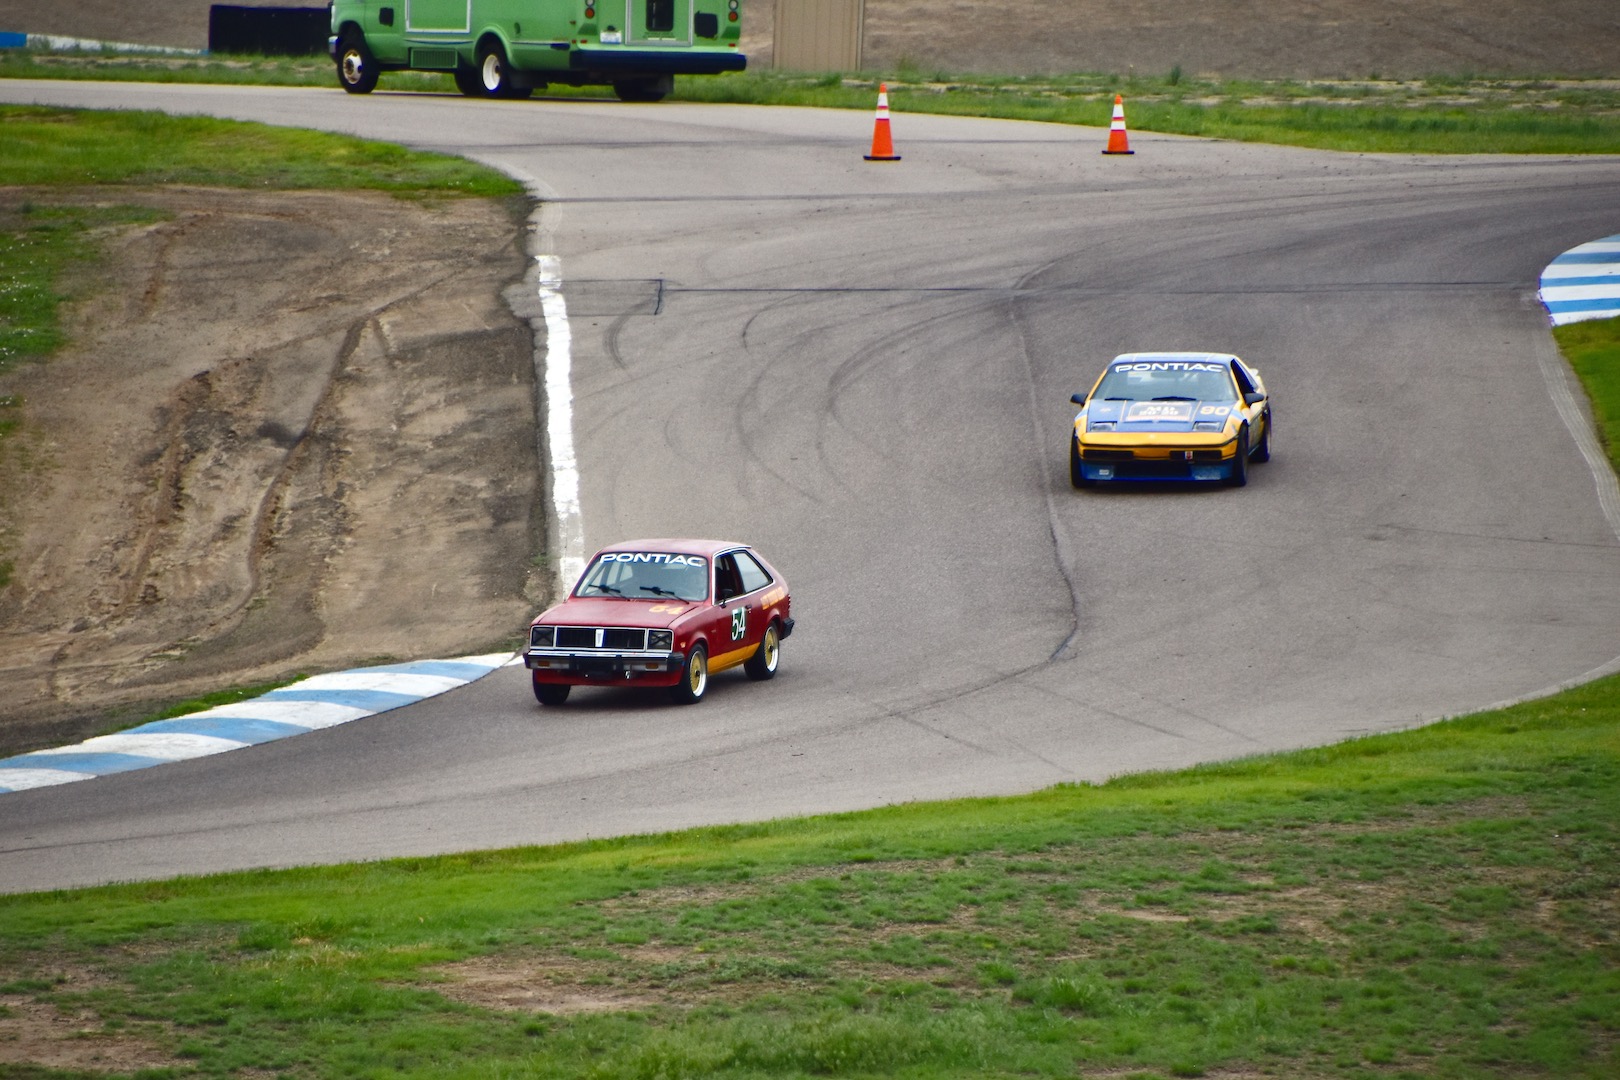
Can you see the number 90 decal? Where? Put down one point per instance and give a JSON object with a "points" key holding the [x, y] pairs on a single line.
{"points": [[1214, 410]]}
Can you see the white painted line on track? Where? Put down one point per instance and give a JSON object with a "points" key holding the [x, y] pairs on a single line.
{"points": [[554, 369], [570, 553], [319, 702]]}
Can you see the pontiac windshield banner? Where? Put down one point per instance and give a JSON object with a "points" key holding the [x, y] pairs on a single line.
{"points": [[653, 557]]}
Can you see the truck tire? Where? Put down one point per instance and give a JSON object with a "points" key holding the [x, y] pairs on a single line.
{"points": [[469, 82], [356, 67], [655, 88], [495, 72]]}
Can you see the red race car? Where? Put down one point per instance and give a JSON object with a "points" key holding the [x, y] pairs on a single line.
{"points": [[662, 613]]}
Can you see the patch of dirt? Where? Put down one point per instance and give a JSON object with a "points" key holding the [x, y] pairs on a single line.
{"points": [[518, 984], [292, 432], [45, 1034], [1231, 38]]}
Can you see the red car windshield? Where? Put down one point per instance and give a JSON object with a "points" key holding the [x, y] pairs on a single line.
{"points": [[646, 575]]}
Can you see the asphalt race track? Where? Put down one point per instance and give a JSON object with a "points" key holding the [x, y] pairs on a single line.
{"points": [[865, 369]]}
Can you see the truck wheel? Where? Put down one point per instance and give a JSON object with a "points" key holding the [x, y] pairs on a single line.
{"points": [[495, 72], [356, 67], [469, 82], [653, 89]]}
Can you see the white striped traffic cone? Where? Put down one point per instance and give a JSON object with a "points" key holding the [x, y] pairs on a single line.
{"points": [[882, 144], [1117, 142]]}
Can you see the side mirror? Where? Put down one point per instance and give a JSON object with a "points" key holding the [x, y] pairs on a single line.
{"points": [[1078, 399], [1253, 399]]}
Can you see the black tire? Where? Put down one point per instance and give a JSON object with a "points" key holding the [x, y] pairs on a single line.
{"points": [[495, 73], [763, 664], [1077, 476], [1263, 451], [694, 678], [356, 67], [469, 83], [1240, 460], [649, 90], [550, 693]]}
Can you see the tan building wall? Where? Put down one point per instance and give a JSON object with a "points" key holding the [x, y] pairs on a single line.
{"points": [[818, 35]]}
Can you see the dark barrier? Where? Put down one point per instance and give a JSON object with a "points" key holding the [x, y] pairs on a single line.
{"points": [[268, 31]]}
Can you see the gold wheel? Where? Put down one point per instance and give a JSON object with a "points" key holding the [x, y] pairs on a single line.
{"points": [[762, 665], [694, 677]]}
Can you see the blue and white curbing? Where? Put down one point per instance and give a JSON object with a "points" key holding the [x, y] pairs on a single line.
{"points": [[11, 39], [322, 701], [1583, 283]]}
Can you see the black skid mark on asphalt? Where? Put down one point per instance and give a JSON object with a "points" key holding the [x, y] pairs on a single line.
{"points": [[613, 298], [611, 338], [1134, 721], [908, 714], [851, 371], [756, 454], [1054, 534]]}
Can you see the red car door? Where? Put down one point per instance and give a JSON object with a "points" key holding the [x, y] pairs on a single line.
{"points": [[741, 624]]}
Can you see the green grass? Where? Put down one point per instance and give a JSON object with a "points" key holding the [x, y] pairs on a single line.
{"points": [[38, 242], [1373, 115], [1446, 115], [63, 148], [1435, 903], [45, 146], [1593, 350]]}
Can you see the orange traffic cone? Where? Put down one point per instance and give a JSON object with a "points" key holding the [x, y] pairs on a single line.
{"points": [[1117, 142], [882, 144]]}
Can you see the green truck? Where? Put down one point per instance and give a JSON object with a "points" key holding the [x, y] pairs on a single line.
{"points": [[510, 48]]}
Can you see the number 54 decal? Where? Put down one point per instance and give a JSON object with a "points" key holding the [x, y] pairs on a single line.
{"points": [[739, 622]]}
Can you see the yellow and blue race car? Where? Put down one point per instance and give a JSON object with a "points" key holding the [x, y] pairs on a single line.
{"points": [[1171, 416]]}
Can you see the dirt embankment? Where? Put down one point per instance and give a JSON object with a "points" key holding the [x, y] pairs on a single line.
{"points": [[293, 431], [1231, 38]]}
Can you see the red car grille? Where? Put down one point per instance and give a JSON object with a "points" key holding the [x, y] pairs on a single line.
{"points": [[612, 637]]}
